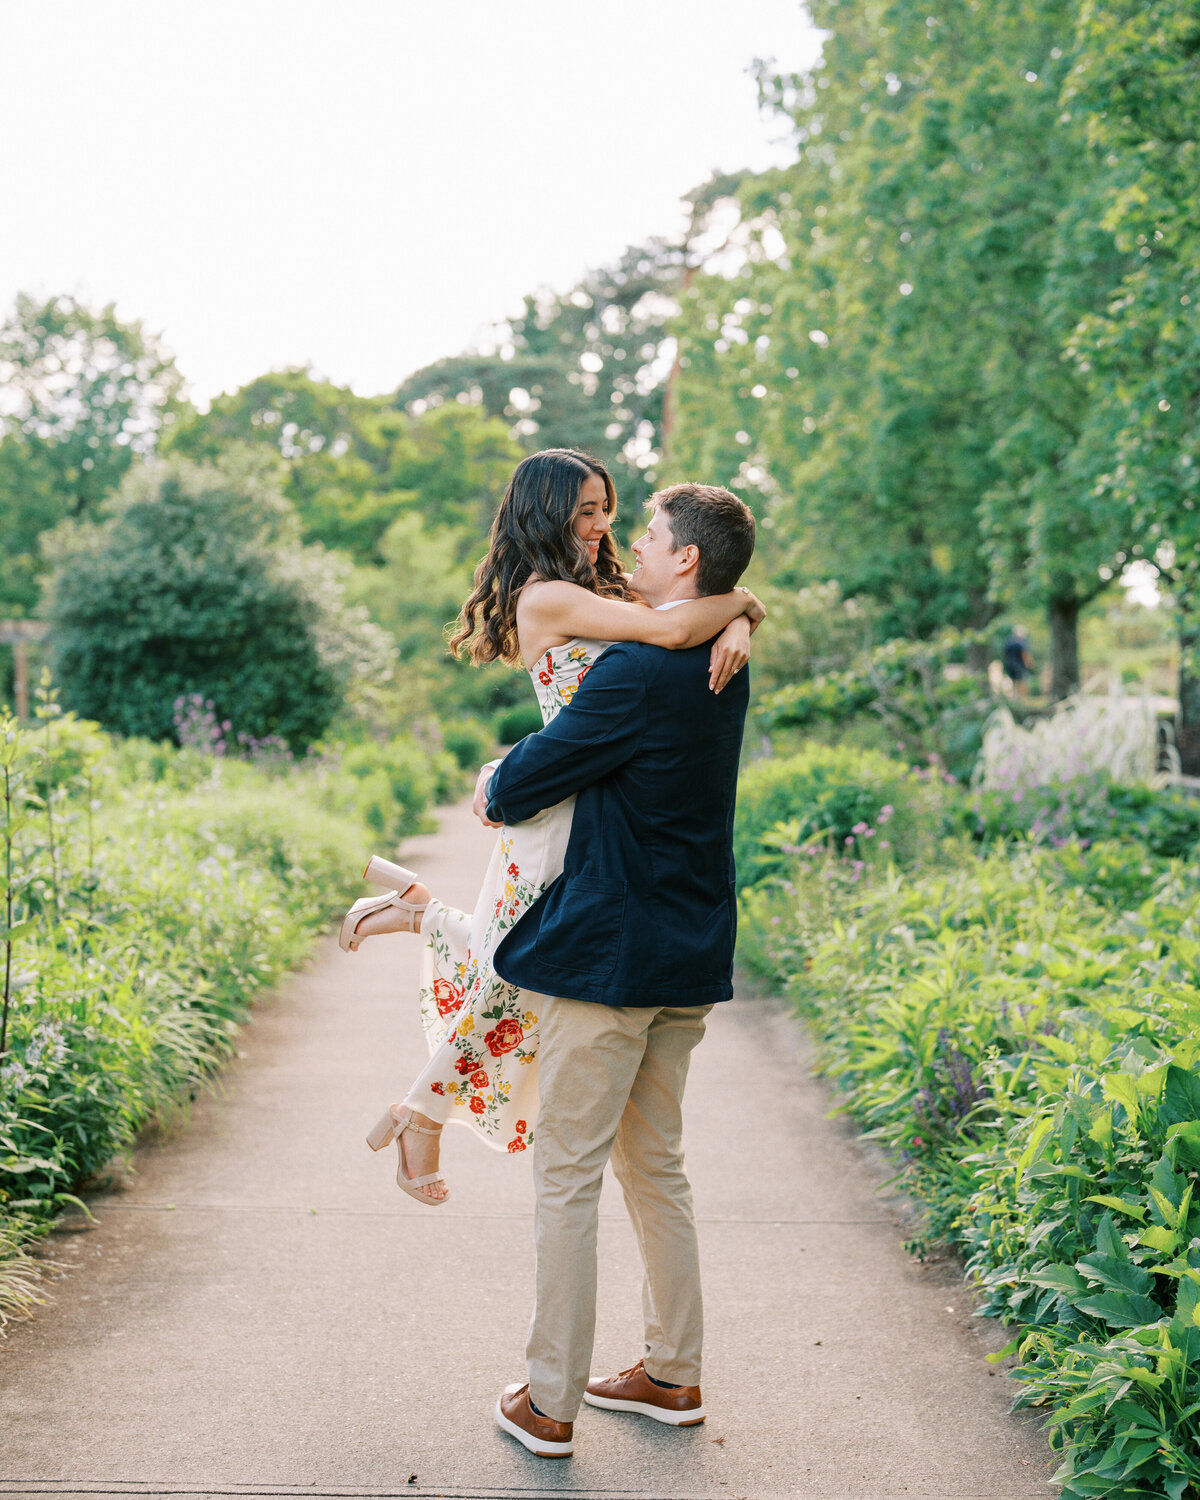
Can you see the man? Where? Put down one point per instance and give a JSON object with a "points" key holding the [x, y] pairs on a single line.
{"points": [[1018, 660], [627, 952]]}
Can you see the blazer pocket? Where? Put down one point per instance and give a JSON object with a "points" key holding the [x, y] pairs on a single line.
{"points": [[581, 930]]}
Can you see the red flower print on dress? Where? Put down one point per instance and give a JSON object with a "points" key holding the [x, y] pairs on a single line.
{"points": [[437, 1088], [477, 1105], [513, 871], [447, 997], [507, 1035], [516, 1145], [480, 1079], [545, 679], [521, 1127], [582, 675], [465, 1065]]}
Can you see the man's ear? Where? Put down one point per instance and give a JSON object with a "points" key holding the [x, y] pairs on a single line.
{"points": [[687, 559]]}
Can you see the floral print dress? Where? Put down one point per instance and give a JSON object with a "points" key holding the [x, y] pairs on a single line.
{"points": [[482, 1036]]}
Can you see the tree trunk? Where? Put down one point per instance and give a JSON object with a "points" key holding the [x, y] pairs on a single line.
{"points": [[1187, 722], [982, 612], [1064, 648]]}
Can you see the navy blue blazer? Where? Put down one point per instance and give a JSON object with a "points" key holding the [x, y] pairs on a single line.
{"points": [[645, 911]]}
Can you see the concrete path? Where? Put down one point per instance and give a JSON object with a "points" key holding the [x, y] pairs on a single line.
{"points": [[260, 1311]]}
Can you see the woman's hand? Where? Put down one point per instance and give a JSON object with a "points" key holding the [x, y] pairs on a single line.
{"points": [[756, 610], [730, 652]]}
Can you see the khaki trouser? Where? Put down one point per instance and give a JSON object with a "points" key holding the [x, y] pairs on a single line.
{"points": [[611, 1081]]}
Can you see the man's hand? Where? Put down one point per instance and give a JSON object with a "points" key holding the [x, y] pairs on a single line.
{"points": [[730, 653], [480, 802]]}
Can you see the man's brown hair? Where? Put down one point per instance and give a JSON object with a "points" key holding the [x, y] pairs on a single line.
{"points": [[717, 524]]}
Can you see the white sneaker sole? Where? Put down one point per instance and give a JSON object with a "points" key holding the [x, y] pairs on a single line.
{"points": [[643, 1409], [527, 1440]]}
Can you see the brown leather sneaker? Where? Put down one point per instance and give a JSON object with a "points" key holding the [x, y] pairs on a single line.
{"points": [[633, 1390], [541, 1435]]}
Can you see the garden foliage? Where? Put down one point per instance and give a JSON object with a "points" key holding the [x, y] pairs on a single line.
{"points": [[1020, 1028], [195, 582], [124, 976], [917, 690], [825, 794]]}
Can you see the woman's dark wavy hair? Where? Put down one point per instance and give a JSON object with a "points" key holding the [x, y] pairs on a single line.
{"points": [[532, 533]]}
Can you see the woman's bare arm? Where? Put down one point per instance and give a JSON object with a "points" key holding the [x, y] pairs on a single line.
{"points": [[553, 611]]}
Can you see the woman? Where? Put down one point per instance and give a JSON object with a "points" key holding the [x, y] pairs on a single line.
{"points": [[550, 592]]}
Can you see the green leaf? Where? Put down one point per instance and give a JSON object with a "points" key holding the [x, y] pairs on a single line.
{"points": [[1121, 1310], [1059, 1279], [1108, 1241], [1040, 1131], [1102, 1129], [1156, 1237], [1121, 1205], [1121, 1089], [1183, 1144], [1180, 1097], [1120, 1274], [19, 930]]}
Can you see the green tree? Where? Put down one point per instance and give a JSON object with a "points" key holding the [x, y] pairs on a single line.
{"points": [[582, 370], [30, 503], [454, 461], [878, 350], [194, 580], [89, 390], [1136, 90], [351, 464]]}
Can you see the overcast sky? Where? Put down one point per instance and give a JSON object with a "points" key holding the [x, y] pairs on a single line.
{"points": [[363, 185]]}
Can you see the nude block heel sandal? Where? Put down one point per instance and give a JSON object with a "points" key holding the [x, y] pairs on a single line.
{"points": [[390, 1128], [383, 872], [414, 911]]}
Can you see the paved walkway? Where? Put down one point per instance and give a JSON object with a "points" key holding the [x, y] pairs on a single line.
{"points": [[260, 1311]]}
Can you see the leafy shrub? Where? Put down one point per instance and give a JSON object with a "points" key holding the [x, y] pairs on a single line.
{"points": [[1089, 808], [129, 974], [469, 743], [1021, 1030], [921, 691], [514, 724], [396, 783], [829, 792], [195, 581]]}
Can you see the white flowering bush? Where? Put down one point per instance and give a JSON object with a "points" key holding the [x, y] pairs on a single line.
{"points": [[1116, 736]]}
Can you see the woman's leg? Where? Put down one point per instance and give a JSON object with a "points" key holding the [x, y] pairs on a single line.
{"points": [[421, 1153]]}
